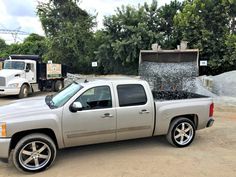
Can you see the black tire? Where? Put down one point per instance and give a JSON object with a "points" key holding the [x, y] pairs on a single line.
{"points": [[58, 85], [24, 91], [29, 155], [181, 132]]}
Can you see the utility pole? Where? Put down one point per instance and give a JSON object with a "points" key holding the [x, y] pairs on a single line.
{"points": [[14, 33]]}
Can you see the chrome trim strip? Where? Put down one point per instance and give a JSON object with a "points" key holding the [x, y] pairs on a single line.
{"points": [[127, 129]]}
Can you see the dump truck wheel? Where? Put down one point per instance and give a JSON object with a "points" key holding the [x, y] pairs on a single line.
{"points": [[58, 85], [24, 91]]}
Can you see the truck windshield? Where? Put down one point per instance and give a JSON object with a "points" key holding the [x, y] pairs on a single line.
{"points": [[8, 64], [60, 98]]}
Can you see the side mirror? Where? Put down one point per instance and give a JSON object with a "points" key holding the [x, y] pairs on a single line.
{"points": [[27, 70], [76, 106]]}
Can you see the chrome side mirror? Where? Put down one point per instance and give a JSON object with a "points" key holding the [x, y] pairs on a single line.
{"points": [[76, 106]]}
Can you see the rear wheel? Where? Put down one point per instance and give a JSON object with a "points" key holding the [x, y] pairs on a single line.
{"points": [[34, 153], [24, 91], [58, 85], [181, 132]]}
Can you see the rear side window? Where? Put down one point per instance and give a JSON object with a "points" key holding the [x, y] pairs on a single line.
{"points": [[131, 95]]}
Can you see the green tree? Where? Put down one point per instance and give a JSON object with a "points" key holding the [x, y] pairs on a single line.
{"points": [[166, 14], [125, 34], [3, 44], [34, 44], [205, 25], [229, 59], [3, 48], [69, 32]]}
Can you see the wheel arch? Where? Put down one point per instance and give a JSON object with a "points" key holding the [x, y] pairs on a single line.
{"points": [[192, 117], [19, 135], [28, 84]]}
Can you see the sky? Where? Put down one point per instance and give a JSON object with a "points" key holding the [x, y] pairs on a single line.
{"points": [[21, 14]]}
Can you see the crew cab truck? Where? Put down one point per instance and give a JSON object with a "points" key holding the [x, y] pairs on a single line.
{"points": [[33, 129], [24, 74]]}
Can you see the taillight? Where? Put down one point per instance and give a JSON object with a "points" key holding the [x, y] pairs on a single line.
{"points": [[211, 111]]}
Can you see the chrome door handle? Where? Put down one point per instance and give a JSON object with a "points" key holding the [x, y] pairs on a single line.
{"points": [[107, 115], [144, 111]]}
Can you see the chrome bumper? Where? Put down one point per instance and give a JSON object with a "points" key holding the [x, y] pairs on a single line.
{"points": [[4, 147]]}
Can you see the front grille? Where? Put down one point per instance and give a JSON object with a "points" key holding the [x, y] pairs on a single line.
{"points": [[2, 81]]}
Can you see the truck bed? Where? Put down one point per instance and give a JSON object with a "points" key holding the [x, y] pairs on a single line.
{"points": [[175, 95]]}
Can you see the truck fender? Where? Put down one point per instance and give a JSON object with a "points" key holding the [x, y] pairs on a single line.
{"points": [[41, 122], [20, 81], [165, 114]]}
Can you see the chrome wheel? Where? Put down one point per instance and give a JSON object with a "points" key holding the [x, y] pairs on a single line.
{"points": [[183, 133], [34, 155]]}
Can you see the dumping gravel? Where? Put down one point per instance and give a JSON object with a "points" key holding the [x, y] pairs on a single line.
{"points": [[224, 85]]}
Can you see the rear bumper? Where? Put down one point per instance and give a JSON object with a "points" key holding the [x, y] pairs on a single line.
{"points": [[9, 91], [4, 147], [210, 123]]}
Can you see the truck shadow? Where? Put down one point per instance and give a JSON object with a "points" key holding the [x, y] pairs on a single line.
{"points": [[112, 147]]}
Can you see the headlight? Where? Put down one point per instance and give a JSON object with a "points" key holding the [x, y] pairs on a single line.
{"points": [[3, 129], [13, 85]]}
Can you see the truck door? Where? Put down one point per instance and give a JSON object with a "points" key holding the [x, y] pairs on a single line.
{"points": [[135, 117], [30, 73], [95, 123]]}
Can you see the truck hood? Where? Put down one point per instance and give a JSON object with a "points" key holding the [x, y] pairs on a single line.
{"points": [[10, 72], [23, 108]]}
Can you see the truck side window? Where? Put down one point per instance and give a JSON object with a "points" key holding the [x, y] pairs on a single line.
{"points": [[28, 66], [96, 98], [131, 95]]}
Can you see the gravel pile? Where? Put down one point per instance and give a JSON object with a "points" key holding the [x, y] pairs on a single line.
{"points": [[225, 84]]}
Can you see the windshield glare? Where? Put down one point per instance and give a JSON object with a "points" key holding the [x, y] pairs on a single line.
{"points": [[20, 65], [60, 98]]}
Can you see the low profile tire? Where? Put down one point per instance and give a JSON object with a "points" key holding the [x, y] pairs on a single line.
{"points": [[58, 85], [24, 91], [181, 132], [34, 153]]}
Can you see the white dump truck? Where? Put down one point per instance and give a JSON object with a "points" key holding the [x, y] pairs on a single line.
{"points": [[25, 74]]}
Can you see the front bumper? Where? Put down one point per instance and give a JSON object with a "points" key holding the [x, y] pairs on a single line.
{"points": [[9, 91], [4, 147]]}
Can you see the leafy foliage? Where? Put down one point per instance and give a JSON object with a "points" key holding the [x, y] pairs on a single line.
{"points": [[70, 37], [69, 32], [205, 24], [34, 44], [172, 34], [125, 34]]}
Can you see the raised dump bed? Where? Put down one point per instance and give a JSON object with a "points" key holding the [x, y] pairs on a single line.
{"points": [[169, 70]]}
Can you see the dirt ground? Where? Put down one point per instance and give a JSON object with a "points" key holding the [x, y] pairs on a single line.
{"points": [[212, 154]]}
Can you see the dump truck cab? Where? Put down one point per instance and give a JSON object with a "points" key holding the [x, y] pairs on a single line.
{"points": [[24, 74]]}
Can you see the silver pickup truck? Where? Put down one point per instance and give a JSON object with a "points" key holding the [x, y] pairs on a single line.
{"points": [[32, 130]]}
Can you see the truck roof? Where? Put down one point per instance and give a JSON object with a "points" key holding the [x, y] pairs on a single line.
{"points": [[23, 57], [27, 60], [125, 80]]}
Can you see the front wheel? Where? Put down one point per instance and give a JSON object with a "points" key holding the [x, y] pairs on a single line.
{"points": [[181, 132], [34, 153], [24, 91]]}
